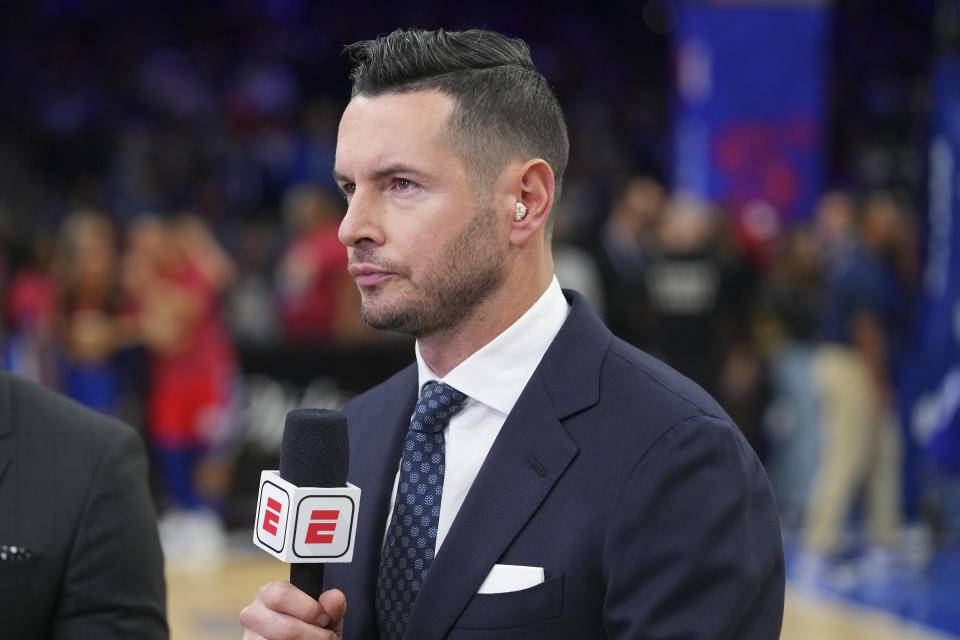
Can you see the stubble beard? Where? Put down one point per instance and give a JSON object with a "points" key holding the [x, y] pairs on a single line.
{"points": [[464, 275]]}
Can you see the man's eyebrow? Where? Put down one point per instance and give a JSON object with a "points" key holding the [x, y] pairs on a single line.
{"points": [[382, 173]]}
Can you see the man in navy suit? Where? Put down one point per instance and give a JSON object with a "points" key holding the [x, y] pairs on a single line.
{"points": [[588, 490]]}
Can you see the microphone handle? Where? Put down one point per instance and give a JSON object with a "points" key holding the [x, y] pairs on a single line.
{"points": [[308, 577]]}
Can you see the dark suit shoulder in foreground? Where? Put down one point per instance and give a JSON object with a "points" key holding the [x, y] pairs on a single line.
{"points": [[74, 485]]}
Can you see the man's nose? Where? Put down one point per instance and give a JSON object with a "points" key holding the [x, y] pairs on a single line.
{"points": [[361, 225]]}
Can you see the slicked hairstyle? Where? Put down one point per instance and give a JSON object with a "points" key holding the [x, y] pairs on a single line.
{"points": [[503, 107]]}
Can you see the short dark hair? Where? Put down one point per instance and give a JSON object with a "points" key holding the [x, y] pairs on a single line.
{"points": [[504, 107]]}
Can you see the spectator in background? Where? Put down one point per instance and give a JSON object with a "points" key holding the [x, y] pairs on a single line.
{"points": [[834, 227], [316, 298], [743, 388], [576, 267], [249, 305], [699, 285], [29, 303], [791, 300], [87, 314], [861, 325], [629, 242], [175, 273]]}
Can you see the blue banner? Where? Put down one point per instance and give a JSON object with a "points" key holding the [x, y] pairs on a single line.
{"points": [[749, 90], [930, 384]]}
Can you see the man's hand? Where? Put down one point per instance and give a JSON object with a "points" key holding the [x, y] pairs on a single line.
{"points": [[283, 612]]}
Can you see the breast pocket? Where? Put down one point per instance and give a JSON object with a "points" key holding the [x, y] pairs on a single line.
{"points": [[16, 572], [515, 615]]}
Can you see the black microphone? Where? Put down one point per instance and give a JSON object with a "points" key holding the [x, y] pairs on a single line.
{"points": [[314, 452]]}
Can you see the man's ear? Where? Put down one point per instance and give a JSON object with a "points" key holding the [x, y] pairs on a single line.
{"points": [[535, 193]]}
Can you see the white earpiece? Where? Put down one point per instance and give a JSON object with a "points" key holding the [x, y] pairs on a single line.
{"points": [[521, 212]]}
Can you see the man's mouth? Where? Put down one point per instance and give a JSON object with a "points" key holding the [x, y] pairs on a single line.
{"points": [[367, 275]]}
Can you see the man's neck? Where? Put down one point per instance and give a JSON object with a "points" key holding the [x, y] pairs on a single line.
{"points": [[445, 349]]}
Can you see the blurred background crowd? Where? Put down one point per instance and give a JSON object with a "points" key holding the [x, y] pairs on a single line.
{"points": [[169, 252]]}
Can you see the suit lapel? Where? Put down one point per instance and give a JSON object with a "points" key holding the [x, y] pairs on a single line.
{"points": [[528, 457]]}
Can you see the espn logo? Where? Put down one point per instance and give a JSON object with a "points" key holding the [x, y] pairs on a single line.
{"points": [[305, 524], [272, 516], [324, 526], [320, 523]]}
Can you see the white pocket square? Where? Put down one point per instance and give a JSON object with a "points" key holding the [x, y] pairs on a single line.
{"points": [[504, 578]]}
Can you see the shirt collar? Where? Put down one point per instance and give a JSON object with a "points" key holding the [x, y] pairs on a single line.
{"points": [[496, 374]]}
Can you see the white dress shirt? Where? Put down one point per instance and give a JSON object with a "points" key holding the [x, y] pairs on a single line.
{"points": [[492, 378]]}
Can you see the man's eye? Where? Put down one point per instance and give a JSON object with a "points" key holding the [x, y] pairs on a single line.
{"points": [[348, 188], [403, 184]]}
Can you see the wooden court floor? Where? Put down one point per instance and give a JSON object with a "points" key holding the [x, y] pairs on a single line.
{"points": [[203, 604]]}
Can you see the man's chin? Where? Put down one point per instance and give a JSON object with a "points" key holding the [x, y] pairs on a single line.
{"points": [[389, 319]]}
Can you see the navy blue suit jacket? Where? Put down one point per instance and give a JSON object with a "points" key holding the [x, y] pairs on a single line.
{"points": [[626, 482]]}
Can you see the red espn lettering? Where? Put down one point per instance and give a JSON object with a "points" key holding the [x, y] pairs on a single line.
{"points": [[317, 525], [271, 516]]}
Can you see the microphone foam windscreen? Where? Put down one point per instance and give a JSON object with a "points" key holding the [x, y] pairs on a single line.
{"points": [[315, 451]]}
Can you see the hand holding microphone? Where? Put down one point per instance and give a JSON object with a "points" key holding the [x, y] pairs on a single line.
{"points": [[306, 515], [281, 611]]}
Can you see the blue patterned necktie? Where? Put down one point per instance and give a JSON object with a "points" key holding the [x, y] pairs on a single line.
{"points": [[412, 535]]}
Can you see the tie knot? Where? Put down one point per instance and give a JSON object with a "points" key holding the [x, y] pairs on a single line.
{"points": [[437, 404]]}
